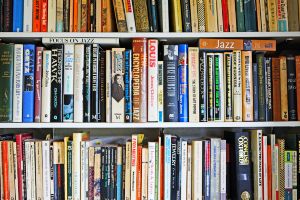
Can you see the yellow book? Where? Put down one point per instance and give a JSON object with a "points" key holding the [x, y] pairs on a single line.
{"points": [[211, 15], [272, 12], [283, 89], [247, 86], [194, 16], [176, 16]]}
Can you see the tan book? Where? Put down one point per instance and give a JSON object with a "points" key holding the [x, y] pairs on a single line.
{"points": [[194, 16], [197, 174], [211, 16], [120, 15], [141, 15], [220, 16], [263, 15], [145, 159], [232, 16], [237, 86], [281, 168], [98, 17], [39, 169], [283, 89], [247, 86], [108, 23], [128, 171], [272, 12], [76, 180], [189, 173], [71, 24], [258, 15], [11, 171]]}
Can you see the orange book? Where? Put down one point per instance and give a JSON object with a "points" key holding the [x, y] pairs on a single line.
{"points": [[269, 153], [107, 16], [139, 173], [36, 16], [275, 89], [75, 16], [263, 45], [297, 58], [44, 15], [5, 164], [247, 86], [221, 44]]}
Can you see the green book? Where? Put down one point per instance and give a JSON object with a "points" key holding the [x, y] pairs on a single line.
{"points": [[69, 169], [240, 18], [6, 82]]}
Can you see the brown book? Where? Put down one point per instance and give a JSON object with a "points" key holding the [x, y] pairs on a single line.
{"points": [[297, 58], [139, 79], [120, 15], [262, 45], [84, 16], [247, 86], [141, 15], [276, 92], [107, 17], [283, 89], [293, 15], [221, 44]]}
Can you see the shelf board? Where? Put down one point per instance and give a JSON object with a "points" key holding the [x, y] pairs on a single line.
{"points": [[149, 125]]}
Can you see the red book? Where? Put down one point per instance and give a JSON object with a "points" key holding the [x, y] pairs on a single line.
{"points": [[269, 171], [297, 58], [276, 89], [38, 81], [44, 15], [139, 173], [20, 155], [36, 16], [225, 15], [5, 150]]}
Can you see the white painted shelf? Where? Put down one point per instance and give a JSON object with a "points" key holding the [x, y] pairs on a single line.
{"points": [[150, 125]]}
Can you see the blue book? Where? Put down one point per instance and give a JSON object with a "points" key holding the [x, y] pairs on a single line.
{"points": [[119, 174], [28, 89], [183, 83], [167, 168], [128, 86], [55, 178], [255, 92], [18, 15]]}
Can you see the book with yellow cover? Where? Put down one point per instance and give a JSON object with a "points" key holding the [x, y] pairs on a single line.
{"points": [[211, 15], [176, 16]]}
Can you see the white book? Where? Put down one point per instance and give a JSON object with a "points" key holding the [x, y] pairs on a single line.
{"points": [[237, 86], [129, 16], [197, 169], [151, 171], [193, 80], [32, 169], [51, 170], [223, 170], [189, 173], [128, 171], [152, 80], [183, 178], [28, 185], [18, 83], [159, 168], [164, 13], [46, 169], [27, 16], [84, 169], [39, 169], [167, 168], [51, 15], [78, 82], [220, 16], [265, 166], [81, 40], [117, 85], [68, 88], [160, 92], [46, 87], [215, 168], [108, 86], [134, 146], [145, 173], [221, 89], [76, 176], [16, 170]]}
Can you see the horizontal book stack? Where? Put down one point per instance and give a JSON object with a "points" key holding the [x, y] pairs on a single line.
{"points": [[149, 16], [221, 80], [171, 167]]}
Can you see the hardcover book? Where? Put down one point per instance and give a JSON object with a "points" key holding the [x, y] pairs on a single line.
{"points": [[160, 91], [38, 84], [247, 86], [210, 86], [228, 86], [275, 89], [36, 16], [237, 86], [297, 60], [128, 86], [218, 86], [175, 13], [130, 21], [120, 15], [261, 87], [87, 79], [152, 80], [283, 89], [141, 15], [291, 88], [102, 87], [255, 92], [94, 85], [46, 87], [203, 85], [193, 84], [17, 16], [268, 89]]}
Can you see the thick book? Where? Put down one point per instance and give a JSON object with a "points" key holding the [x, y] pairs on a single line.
{"points": [[152, 80], [255, 92], [268, 89], [193, 84], [250, 16], [232, 16], [297, 60], [107, 16], [203, 81], [237, 86], [102, 86], [291, 88], [94, 85], [228, 100], [7, 15], [117, 85], [175, 14], [51, 16], [141, 15], [197, 174], [275, 89], [211, 16], [17, 21], [210, 86], [170, 83], [28, 89], [282, 14], [186, 15], [120, 15], [260, 60], [36, 16], [240, 15], [194, 15], [18, 83], [139, 79], [46, 87], [57, 64], [87, 79], [68, 98], [128, 85], [108, 86], [283, 89], [183, 102], [247, 86], [272, 12], [293, 15], [38, 84]]}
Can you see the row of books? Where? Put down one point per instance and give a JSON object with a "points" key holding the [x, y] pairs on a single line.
{"points": [[85, 83], [170, 167], [149, 15]]}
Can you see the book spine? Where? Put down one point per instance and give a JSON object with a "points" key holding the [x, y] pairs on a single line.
{"points": [[247, 86], [186, 15], [11, 183], [44, 16], [255, 92], [167, 167], [51, 16], [69, 170], [141, 16], [215, 168], [210, 86], [218, 85], [176, 18], [194, 15], [84, 16], [152, 80], [297, 61], [134, 154], [38, 84], [174, 165], [207, 169], [232, 16], [196, 169], [282, 14], [78, 82], [68, 99], [151, 171], [291, 88], [203, 74], [16, 179], [193, 84], [66, 15], [28, 89], [18, 83], [256, 146], [33, 171], [128, 171], [202, 24], [275, 89], [211, 20], [225, 15], [56, 83], [288, 167], [293, 15], [272, 11], [119, 173], [120, 16], [76, 178], [94, 94], [139, 173], [39, 169], [237, 86], [98, 169], [108, 86], [51, 185], [160, 91], [250, 15], [27, 16], [183, 173], [240, 16], [183, 83], [170, 83], [281, 167], [268, 89], [261, 87], [102, 87], [283, 89], [5, 169], [228, 86], [87, 82], [27, 184], [154, 15], [144, 173], [36, 16], [117, 85], [164, 15], [46, 87], [223, 170], [220, 16], [130, 21], [17, 16], [59, 26], [83, 145], [128, 86]]}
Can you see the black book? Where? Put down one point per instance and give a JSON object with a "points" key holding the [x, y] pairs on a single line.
{"points": [[1, 15], [66, 16], [260, 60], [255, 92], [170, 83], [173, 167], [154, 14], [210, 87], [57, 62], [108, 172], [102, 181], [87, 82], [186, 15], [95, 84], [102, 86], [149, 4], [128, 86], [7, 15], [113, 173], [228, 86], [291, 90], [178, 168], [268, 90], [92, 16], [203, 87], [240, 164]]}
